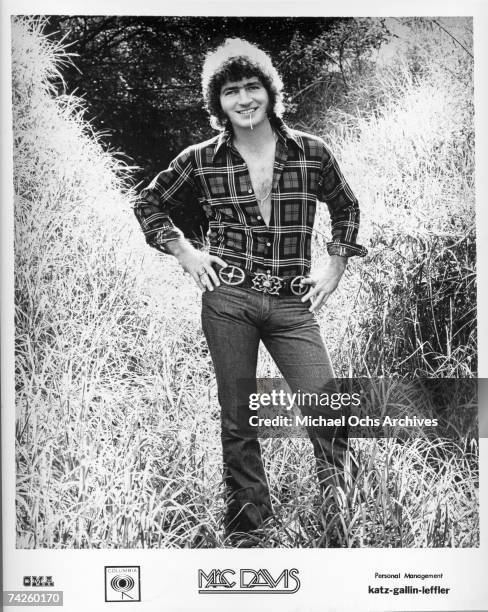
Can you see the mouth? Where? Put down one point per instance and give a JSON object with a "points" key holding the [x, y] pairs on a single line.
{"points": [[247, 112]]}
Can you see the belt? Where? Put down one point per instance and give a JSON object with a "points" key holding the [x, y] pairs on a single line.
{"points": [[263, 282]]}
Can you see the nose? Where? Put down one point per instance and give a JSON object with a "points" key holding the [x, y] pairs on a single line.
{"points": [[244, 97]]}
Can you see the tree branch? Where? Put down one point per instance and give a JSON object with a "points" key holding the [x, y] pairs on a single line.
{"points": [[453, 37]]}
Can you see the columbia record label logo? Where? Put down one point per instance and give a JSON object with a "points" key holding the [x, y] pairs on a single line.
{"points": [[122, 583]]}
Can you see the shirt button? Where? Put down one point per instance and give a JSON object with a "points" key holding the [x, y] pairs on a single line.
{"points": [[268, 244], [259, 217], [249, 191]]}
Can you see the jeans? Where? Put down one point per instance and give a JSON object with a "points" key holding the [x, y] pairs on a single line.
{"points": [[234, 320]]}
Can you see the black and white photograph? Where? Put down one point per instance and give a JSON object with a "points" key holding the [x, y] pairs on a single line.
{"points": [[220, 225]]}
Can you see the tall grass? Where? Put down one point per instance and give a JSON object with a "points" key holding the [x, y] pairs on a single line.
{"points": [[410, 161], [117, 417]]}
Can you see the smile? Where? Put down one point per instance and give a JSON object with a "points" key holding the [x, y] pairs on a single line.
{"points": [[248, 111]]}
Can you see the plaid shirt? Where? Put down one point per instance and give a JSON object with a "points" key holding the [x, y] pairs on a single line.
{"points": [[214, 174]]}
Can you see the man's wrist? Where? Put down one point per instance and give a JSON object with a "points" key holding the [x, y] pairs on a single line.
{"points": [[179, 248], [338, 261]]}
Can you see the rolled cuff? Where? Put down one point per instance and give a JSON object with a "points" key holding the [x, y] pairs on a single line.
{"points": [[346, 249], [161, 239]]}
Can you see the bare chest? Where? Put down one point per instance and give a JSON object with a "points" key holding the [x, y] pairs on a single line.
{"points": [[261, 174]]}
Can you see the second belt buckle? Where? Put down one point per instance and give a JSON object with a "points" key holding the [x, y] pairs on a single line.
{"points": [[267, 283]]}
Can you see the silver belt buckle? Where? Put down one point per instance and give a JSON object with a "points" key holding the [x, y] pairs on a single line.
{"points": [[266, 283], [232, 275], [296, 288]]}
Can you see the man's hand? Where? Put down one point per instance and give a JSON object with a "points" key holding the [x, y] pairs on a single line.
{"points": [[199, 266], [323, 282]]}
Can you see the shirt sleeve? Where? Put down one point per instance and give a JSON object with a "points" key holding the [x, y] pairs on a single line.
{"points": [[343, 209], [172, 187]]}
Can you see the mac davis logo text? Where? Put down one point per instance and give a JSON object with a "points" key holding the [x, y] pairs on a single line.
{"points": [[257, 581]]}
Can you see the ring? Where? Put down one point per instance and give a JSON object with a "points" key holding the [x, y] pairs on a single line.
{"points": [[202, 272]]}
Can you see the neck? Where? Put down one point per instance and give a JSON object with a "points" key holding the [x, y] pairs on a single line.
{"points": [[254, 139]]}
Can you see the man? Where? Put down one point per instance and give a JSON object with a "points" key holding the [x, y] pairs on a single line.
{"points": [[258, 182]]}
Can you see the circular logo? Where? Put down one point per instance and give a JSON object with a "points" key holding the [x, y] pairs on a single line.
{"points": [[231, 275], [123, 584], [295, 286]]}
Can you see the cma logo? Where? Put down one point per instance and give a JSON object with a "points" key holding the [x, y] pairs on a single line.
{"points": [[38, 581], [248, 581]]}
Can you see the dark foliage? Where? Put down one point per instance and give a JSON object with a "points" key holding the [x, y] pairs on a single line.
{"points": [[140, 76]]}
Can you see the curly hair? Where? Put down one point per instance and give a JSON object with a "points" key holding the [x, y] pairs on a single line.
{"points": [[234, 60]]}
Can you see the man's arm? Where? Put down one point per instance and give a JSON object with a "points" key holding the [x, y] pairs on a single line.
{"points": [[344, 214], [170, 188], [343, 209]]}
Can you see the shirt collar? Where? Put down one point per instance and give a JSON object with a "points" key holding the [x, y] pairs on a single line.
{"points": [[285, 134], [223, 141]]}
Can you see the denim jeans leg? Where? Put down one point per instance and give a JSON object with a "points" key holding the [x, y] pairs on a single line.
{"points": [[293, 339], [229, 321]]}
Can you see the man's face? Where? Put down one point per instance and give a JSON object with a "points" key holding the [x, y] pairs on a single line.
{"points": [[244, 102]]}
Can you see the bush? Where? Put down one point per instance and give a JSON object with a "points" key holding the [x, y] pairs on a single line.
{"points": [[410, 161]]}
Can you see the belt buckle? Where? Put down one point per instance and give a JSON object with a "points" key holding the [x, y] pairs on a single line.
{"points": [[266, 283], [296, 288], [232, 275]]}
